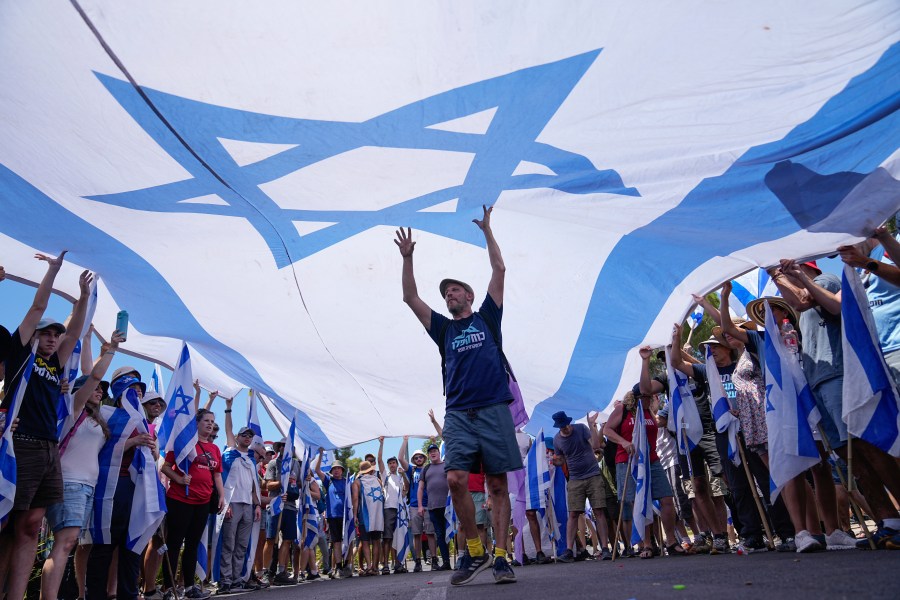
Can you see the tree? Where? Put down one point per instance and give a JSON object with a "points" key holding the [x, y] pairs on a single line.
{"points": [[344, 454]]}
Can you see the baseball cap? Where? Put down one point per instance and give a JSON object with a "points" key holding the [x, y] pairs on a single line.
{"points": [[47, 323], [244, 430], [151, 395], [446, 282], [433, 447], [125, 371]]}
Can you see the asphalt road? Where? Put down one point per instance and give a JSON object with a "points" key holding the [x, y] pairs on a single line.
{"points": [[850, 574]]}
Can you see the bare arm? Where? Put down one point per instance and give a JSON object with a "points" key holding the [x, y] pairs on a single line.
{"points": [[498, 268], [318, 469], [889, 242], [609, 430], [314, 490], [830, 301], [96, 374], [87, 354], [647, 385], [853, 257], [76, 322], [404, 450], [419, 495], [41, 297], [597, 442], [220, 487], [437, 426], [209, 400], [714, 313], [792, 291], [229, 423], [196, 395], [354, 494], [727, 324], [678, 361], [410, 291], [380, 453]]}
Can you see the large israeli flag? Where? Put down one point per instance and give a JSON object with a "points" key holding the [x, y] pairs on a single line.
{"points": [[178, 430], [642, 513], [7, 449], [537, 474], [791, 413], [721, 408], [684, 418], [655, 147], [871, 405]]}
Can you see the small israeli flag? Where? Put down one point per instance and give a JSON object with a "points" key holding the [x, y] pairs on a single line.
{"points": [[721, 408], [537, 474], [640, 471], [684, 418]]}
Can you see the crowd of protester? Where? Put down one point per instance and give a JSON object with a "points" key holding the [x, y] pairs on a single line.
{"points": [[707, 505]]}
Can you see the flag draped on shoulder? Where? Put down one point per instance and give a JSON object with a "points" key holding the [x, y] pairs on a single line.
{"points": [[178, 430], [684, 418], [121, 424], [791, 413], [7, 451], [349, 520], [871, 406], [148, 506], [640, 471], [721, 408], [400, 542], [64, 417], [537, 471]]}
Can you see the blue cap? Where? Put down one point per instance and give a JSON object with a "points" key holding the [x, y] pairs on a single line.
{"points": [[561, 419]]}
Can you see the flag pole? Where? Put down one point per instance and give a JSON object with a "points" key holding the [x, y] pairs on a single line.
{"points": [[847, 483], [622, 508], [750, 481]]}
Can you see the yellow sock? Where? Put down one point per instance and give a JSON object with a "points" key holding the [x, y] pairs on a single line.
{"points": [[499, 552], [475, 548]]}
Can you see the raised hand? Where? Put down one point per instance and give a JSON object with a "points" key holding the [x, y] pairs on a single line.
{"points": [[404, 242], [592, 419], [485, 222], [676, 335], [852, 256], [726, 288], [51, 261], [645, 352], [117, 338], [196, 386], [84, 283], [880, 233]]}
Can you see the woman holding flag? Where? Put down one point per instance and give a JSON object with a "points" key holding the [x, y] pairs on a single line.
{"points": [[620, 428], [187, 502]]}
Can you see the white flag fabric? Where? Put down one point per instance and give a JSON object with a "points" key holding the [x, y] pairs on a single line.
{"points": [[537, 474], [871, 407], [684, 417], [178, 430], [156, 381], [791, 413], [721, 408], [642, 514], [253, 419], [7, 449], [770, 118], [747, 288]]}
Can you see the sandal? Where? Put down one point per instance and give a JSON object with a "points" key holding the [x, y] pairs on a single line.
{"points": [[676, 550], [646, 552]]}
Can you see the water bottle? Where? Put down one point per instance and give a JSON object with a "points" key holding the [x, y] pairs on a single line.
{"points": [[789, 335]]}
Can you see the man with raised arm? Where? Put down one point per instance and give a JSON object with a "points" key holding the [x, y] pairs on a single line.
{"points": [[478, 426], [39, 481]]}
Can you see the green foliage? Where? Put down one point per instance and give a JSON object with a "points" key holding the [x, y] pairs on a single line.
{"points": [[344, 454], [352, 464], [430, 441]]}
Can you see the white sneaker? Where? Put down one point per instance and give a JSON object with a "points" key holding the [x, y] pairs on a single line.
{"points": [[806, 542], [840, 540]]}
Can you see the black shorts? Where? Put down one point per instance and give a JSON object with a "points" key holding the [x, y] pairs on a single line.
{"points": [[39, 481], [479, 437], [390, 523], [335, 530], [705, 454]]}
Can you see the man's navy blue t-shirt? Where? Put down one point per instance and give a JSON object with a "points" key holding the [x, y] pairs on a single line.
{"points": [[475, 374]]}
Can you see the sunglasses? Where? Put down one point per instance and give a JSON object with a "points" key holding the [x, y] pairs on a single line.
{"points": [[156, 401]]}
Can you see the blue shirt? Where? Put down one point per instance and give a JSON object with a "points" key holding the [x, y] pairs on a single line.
{"points": [[577, 450], [475, 376], [335, 490], [884, 300], [415, 475]]}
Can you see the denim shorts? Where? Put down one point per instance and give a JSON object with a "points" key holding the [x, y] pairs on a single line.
{"points": [[829, 396], [479, 437], [75, 509]]}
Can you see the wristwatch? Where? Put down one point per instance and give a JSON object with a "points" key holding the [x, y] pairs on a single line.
{"points": [[872, 266]]}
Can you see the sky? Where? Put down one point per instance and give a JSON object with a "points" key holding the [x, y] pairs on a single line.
{"points": [[16, 298]]}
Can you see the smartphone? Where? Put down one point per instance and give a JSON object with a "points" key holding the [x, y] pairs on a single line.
{"points": [[122, 323]]}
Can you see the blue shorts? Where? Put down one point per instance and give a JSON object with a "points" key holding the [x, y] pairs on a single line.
{"points": [[829, 399], [288, 526], [75, 509], [659, 485], [481, 436]]}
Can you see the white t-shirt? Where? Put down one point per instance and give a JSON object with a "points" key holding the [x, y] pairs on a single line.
{"points": [[240, 478], [393, 485], [80, 462]]}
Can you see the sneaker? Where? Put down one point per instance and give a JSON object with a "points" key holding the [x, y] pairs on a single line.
{"points": [[224, 589], [702, 545], [515, 563], [605, 554], [786, 545], [583, 555], [196, 593], [542, 559], [840, 540], [418, 567], [446, 566], [820, 537], [751, 545], [154, 595], [566, 557], [884, 538], [469, 567], [284, 579], [527, 561], [347, 572], [503, 573], [719, 546], [313, 577], [806, 542]]}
